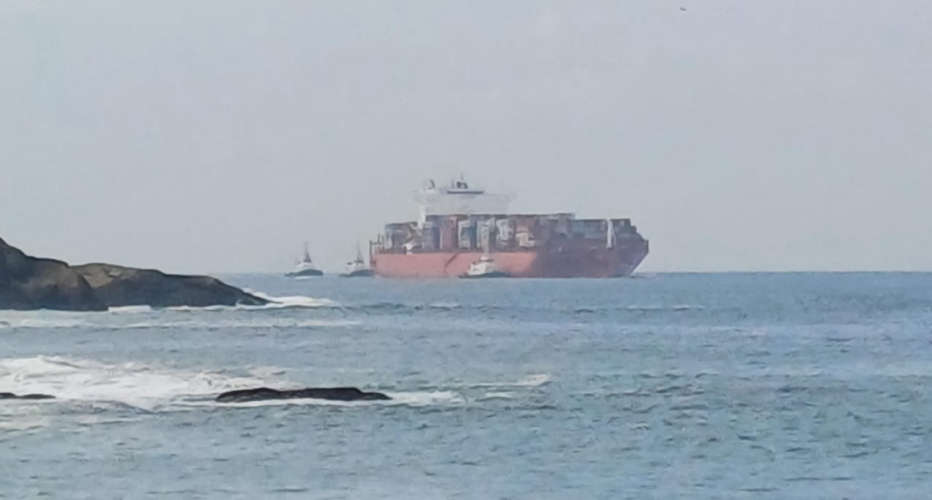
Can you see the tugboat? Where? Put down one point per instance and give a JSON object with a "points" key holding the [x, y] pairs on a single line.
{"points": [[357, 268], [484, 268], [305, 267]]}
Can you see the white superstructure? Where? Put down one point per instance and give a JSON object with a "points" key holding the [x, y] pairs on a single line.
{"points": [[458, 198]]}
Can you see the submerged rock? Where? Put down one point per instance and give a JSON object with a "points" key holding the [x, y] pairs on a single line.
{"points": [[28, 282], [10, 395], [126, 286], [330, 393]]}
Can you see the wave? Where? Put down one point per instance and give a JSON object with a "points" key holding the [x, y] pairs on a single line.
{"points": [[426, 398], [444, 305], [535, 380], [403, 306], [272, 323], [138, 385], [569, 309], [256, 323], [130, 309], [636, 308], [306, 302], [291, 301], [489, 396], [154, 388], [284, 302], [43, 323], [675, 307], [401, 398]]}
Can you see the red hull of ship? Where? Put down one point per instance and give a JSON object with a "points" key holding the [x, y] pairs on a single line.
{"points": [[585, 262]]}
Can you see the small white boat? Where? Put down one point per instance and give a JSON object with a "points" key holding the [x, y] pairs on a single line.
{"points": [[357, 267], [485, 267], [305, 267]]}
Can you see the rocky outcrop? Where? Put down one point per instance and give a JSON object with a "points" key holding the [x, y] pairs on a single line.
{"points": [[10, 395], [330, 393], [34, 283], [120, 286]]}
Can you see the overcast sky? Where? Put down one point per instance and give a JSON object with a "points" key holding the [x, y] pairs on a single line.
{"points": [[216, 136]]}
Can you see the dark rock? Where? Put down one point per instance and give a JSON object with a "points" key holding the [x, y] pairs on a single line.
{"points": [[10, 395], [126, 286], [331, 393], [33, 283]]}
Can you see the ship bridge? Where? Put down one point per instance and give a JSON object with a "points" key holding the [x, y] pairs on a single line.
{"points": [[459, 197]]}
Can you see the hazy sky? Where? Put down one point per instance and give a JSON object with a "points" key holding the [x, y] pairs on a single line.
{"points": [[218, 135]]}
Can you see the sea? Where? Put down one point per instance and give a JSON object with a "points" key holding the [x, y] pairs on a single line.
{"points": [[733, 385]]}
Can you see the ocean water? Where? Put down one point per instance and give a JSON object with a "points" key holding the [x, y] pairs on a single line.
{"points": [[661, 386]]}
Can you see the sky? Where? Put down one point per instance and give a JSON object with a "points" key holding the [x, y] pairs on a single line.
{"points": [[218, 135]]}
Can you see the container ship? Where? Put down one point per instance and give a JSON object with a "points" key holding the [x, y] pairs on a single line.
{"points": [[459, 225]]}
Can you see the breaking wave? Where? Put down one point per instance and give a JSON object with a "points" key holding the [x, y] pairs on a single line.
{"points": [[535, 380], [285, 302], [130, 309], [33, 322], [426, 398], [135, 384], [153, 388], [305, 302], [270, 323], [97, 323]]}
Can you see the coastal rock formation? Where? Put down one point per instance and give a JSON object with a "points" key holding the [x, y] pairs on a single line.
{"points": [[120, 286], [330, 393], [10, 395], [34, 283]]}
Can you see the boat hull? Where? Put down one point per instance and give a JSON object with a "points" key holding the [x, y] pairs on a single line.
{"points": [[305, 273], [362, 273], [493, 274], [583, 261]]}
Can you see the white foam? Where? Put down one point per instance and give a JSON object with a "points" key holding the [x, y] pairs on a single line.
{"points": [[425, 398], [98, 322], [27, 322], [134, 384], [291, 301], [496, 395], [278, 402], [415, 398], [444, 305], [535, 380], [69, 319], [154, 387], [688, 307], [130, 309], [280, 323]]}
